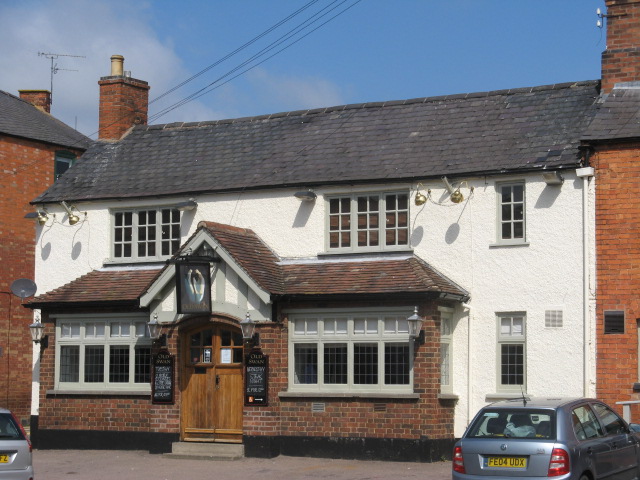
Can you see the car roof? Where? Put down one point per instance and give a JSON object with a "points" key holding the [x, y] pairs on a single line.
{"points": [[537, 402]]}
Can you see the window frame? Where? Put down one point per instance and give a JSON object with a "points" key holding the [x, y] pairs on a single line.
{"points": [[499, 217], [381, 228], [83, 340], [135, 230], [322, 337], [446, 343], [515, 340], [63, 156]]}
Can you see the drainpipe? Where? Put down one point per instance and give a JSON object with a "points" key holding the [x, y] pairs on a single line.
{"points": [[467, 307], [585, 173]]}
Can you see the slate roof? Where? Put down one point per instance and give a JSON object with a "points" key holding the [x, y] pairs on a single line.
{"points": [[405, 274], [482, 133], [112, 287], [20, 118], [619, 116]]}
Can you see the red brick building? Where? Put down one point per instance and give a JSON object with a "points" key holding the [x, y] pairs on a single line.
{"points": [[613, 140], [34, 148]]}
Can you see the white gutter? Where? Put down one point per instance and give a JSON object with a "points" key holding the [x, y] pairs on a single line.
{"points": [[585, 173]]}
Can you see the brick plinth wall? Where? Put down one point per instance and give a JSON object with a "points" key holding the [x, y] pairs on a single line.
{"points": [[621, 59], [27, 169], [618, 270]]}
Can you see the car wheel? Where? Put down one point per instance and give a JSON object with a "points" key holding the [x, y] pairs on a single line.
{"points": [[584, 476]]}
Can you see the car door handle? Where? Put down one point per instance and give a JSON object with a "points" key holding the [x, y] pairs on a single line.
{"points": [[589, 451]]}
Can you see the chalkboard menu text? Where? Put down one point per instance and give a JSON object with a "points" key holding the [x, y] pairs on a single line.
{"points": [[162, 388], [256, 367]]}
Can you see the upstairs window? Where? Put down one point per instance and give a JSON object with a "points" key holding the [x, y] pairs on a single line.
{"points": [[145, 234], [62, 163], [368, 222], [511, 213]]}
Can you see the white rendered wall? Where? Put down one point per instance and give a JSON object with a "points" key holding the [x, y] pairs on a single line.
{"points": [[459, 240]]}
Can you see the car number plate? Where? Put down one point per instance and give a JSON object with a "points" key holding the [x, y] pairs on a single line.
{"points": [[4, 458], [506, 462]]}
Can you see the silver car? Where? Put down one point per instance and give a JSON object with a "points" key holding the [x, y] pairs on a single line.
{"points": [[536, 438], [15, 449]]}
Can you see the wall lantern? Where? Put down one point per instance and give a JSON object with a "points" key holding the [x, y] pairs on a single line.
{"points": [[248, 327], [40, 215], [154, 331], [415, 327], [37, 330], [455, 194], [420, 198]]}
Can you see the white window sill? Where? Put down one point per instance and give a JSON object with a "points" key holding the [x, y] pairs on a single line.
{"points": [[448, 396], [109, 393], [503, 245], [410, 396]]}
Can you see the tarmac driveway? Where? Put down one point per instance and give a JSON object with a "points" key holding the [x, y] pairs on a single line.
{"points": [[140, 465]]}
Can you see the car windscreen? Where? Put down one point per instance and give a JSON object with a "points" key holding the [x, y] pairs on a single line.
{"points": [[9, 429], [513, 423]]}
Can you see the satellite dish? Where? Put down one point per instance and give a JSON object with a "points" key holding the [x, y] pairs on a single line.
{"points": [[23, 288]]}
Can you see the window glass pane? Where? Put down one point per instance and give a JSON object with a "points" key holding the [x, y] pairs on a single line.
{"points": [[396, 364], [613, 424], [335, 364], [512, 364], [143, 365], [518, 193], [119, 364], [69, 363], [141, 329], [444, 364], [365, 364], [70, 330], [94, 363], [225, 338], [94, 330], [585, 424], [445, 327], [312, 326], [365, 325], [518, 230], [305, 363]]}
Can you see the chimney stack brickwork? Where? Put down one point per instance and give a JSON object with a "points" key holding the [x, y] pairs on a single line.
{"points": [[124, 102], [38, 98], [621, 59]]}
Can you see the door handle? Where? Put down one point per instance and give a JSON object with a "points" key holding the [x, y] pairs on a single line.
{"points": [[217, 382], [589, 451]]}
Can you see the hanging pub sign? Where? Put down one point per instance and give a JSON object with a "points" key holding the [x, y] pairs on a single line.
{"points": [[256, 369], [193, 287], [162, 378]]}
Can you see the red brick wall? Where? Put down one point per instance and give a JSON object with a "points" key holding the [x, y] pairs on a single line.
{"points": [[124, 102], [27, 169], [618, 269], [621, 59], [343, 417]]}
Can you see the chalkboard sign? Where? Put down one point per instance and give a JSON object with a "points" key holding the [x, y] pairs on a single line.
{"points": [[162, 388], [256, 370]]}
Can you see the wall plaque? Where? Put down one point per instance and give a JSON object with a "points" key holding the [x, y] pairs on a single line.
{"points": [[162, 378], [256, 371]]}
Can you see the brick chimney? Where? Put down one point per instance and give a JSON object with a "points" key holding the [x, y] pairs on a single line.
{"points": [[124, 101], [38, 98], [621, 59]]}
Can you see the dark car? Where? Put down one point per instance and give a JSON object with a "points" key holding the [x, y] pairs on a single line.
{"points": [[578, 438], [15, 449]]}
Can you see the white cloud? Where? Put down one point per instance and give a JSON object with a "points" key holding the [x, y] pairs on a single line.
{"points": [[295, 93], [95, 30]]}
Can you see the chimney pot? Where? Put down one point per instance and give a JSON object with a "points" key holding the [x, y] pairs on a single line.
{"points": [[117, 65]]}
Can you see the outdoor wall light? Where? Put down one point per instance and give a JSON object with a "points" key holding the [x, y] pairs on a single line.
{"points": [[37, 330], [455, 194], [154, 331], [190, 204], [306, 195], [420, 199], [73, 218], [553, 178], [248, 327], [415, 327], [40, 215]]}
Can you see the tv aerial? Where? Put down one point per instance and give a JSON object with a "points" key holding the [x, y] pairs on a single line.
{"points": [[23, 288], [54, 67]]}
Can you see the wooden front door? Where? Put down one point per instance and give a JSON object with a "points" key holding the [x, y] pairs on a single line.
{"points": [[212, 383]]}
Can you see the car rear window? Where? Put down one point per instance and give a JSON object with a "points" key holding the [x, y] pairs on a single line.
{"points": [[516, 423], [9, 429]]}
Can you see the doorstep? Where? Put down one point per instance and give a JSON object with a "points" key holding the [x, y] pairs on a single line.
{"points": [[206, 451]]}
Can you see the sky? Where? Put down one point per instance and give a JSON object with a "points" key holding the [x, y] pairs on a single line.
{"points": [[345, 51]]}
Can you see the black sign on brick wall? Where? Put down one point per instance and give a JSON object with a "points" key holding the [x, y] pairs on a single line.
{"points": [[256, 370], [162, 385]]}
